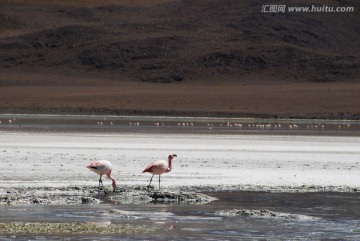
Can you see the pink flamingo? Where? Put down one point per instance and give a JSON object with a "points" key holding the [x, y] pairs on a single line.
{"points": [[159, 167], [103, 167]]}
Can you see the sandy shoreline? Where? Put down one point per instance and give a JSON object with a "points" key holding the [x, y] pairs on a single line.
{"points": [[240, 162]]}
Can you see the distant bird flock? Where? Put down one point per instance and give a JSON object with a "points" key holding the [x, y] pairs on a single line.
{"points": [[247, 125], [243, 126]]}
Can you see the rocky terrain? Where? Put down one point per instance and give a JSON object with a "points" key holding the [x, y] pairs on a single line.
{"points": [[264, 214]]}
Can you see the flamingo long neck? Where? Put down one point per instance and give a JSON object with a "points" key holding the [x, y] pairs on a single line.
{"points": [[113, 181], [169, 163]]}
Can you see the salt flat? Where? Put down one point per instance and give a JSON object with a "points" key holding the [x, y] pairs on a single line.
{"points": [[235, 162]]}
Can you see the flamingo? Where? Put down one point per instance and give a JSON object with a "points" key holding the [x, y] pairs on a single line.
{"points": [[159, 167], [103, 167]]}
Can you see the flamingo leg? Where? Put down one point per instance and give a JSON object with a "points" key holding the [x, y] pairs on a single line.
{"points": [[159, 182], [101, 183], [150, 181]]}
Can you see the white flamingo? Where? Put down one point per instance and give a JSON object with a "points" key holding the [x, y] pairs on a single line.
{"points": [[103, 167]]}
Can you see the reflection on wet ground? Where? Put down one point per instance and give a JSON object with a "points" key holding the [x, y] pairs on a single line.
{"points": [[177, 124], [335, 216]]}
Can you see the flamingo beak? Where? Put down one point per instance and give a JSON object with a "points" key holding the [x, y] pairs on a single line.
{"points": [[174, 155]]}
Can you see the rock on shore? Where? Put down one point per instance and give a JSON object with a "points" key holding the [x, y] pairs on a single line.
{"points": [[264, 213]]}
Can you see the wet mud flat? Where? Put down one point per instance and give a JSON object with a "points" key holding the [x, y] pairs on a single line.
{"points": [[133, 213], [76, 195]]}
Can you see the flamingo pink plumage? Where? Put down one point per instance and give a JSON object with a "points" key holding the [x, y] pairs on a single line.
{"points": [[159, 167], [103, 167]]}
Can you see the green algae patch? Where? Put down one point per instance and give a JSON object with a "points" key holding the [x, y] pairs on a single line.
{"points": [[75, 228]]}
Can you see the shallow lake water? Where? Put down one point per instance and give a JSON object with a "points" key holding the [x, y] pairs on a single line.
{"points": [[337, 217], [151, 124], [296, 153]]}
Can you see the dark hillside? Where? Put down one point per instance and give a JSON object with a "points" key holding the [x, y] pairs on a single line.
{"points": [[184, 41]]}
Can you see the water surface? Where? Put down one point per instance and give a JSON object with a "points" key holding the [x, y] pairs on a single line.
{"points": [[338, 217], [178, 124]]}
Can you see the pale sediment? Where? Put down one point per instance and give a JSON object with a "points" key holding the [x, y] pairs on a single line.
{"points": [[49, 168]]}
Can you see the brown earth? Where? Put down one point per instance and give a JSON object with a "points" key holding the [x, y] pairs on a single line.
{"points": [[171, 57]]}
